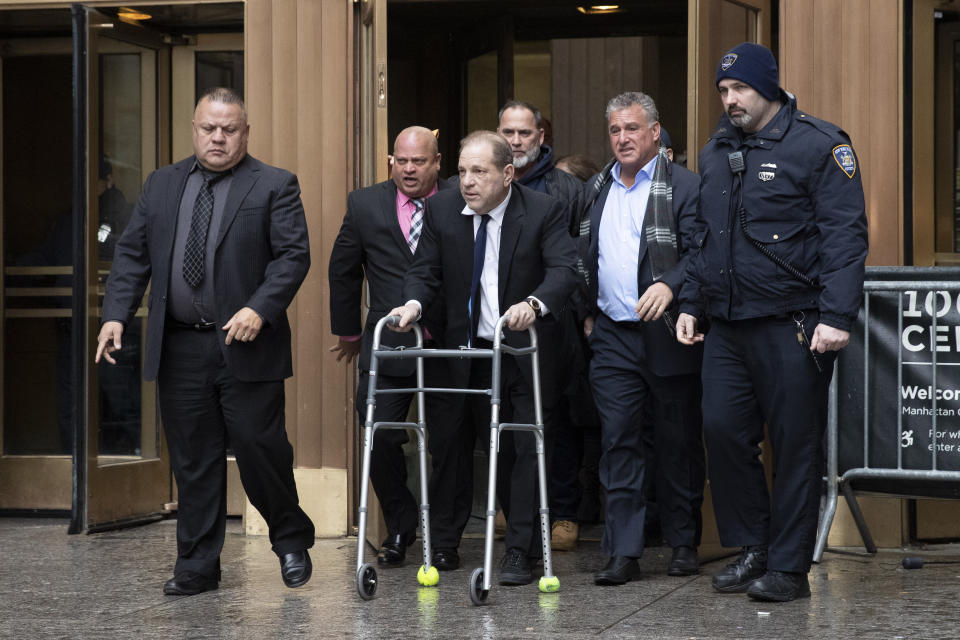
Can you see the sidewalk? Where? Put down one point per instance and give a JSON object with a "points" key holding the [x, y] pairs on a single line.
{"points": [[108, 585]]}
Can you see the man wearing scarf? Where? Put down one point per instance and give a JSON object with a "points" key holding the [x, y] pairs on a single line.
{"points": [[637, 221]]}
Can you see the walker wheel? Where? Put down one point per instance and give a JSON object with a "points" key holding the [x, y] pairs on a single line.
{"points": [[366, 581], [478, 595]]}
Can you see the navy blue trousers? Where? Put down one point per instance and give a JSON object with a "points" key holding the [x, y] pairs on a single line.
{"points": [[756, 372], [623, 387]]}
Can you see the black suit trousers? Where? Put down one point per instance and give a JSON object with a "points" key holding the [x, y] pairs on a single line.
{"points": [[517, 484], [756, 372], [204, 407], [624, 387], [388, 469]]}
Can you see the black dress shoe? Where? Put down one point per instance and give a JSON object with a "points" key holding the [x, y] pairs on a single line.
{"points": [[188, 583], [737, 576], [619, 570], [296, 568], [515, 568], [780, 586], [684, 562], [445, 559], [393, 551]]}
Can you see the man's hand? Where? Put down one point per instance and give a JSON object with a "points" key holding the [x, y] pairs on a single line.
{"points": [[521, 316], [588, 326], [408, 315], [346, 349], [687, 330], [109, 340], [653, 302], [826, 338], [244, 326]]}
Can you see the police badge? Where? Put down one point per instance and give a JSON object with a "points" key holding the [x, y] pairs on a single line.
{"points": [[728, 61], [843, 154]]}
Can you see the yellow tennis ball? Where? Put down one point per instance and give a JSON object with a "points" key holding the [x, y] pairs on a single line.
{"points": [[549, 585], [428, 578]]}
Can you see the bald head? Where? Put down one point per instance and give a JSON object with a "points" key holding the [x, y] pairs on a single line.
{"points": [[416, 161]]}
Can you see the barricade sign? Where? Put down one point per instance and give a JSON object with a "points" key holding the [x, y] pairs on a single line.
{"points": [[894, 420]]}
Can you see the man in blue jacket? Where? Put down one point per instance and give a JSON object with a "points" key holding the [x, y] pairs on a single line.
{"points": [[779, 276]]}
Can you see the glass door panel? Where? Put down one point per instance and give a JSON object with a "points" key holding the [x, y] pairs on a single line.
{"points": [[127, 470]]}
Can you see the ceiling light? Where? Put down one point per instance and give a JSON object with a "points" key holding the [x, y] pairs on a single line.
{"points": [[128, 14], [598, 9]]}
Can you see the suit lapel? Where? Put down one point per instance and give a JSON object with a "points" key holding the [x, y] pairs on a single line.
{"points": [[244, 177], [388, 212], [509, 235], [166, 225], [464, 243]]}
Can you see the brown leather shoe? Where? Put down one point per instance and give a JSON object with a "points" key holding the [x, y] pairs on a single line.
{"points": [[563, 535]]}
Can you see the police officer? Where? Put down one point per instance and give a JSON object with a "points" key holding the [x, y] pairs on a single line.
{"points": [[779, 277]]}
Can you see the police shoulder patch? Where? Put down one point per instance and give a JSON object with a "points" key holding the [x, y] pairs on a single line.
{"points": [[727, 61], [843, 154]]}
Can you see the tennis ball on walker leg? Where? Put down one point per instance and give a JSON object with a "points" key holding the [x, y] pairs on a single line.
{"points": [[549, 585], [428, 578]]}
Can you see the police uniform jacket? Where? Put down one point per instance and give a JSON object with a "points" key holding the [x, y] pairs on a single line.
{"points": [[802, 198]]}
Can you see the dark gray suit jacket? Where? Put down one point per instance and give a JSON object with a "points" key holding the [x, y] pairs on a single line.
{"points": [[665, 356], [262, 256], [371, 244]]}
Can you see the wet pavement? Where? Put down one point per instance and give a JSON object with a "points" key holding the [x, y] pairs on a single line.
{"points": [[108, 585]]}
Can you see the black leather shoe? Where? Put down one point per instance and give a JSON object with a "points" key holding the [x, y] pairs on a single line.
{"points": [[619, 570], [515, 568], [737, 576], [393, 551], [296, 568], [780, 586], [445, 559], [684, 562], [188, 583]]}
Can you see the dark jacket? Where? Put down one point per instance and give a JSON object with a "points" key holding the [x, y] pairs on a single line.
{"points": [[371, 245], [262, 256], [665, 356], [803, 200], [536, 259]]}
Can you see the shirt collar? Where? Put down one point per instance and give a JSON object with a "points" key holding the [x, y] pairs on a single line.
{"points": [[405, 199], [646, 170], [196, 166], [496, 213]]}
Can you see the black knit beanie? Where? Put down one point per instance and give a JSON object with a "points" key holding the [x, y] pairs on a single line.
{"points": [[754, 65]]}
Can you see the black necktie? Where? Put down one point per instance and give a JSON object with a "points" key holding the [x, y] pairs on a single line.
{"points": [[196, 248], [479, 251]]}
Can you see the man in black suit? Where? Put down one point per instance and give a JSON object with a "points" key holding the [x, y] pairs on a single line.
{"points": [[377, 239], [640, 214], [222, 239], [494, 248]]}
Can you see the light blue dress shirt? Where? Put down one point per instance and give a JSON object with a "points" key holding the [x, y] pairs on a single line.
{"points": [[621, 229]]}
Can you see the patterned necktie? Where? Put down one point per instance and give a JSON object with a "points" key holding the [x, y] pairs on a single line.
{"points": [[416, 225], [196, 248], [479, 251]]}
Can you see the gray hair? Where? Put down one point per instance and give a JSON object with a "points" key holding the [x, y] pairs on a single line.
{"points": [[502, 154], [224, 95], [517, 104], [631, 98]]}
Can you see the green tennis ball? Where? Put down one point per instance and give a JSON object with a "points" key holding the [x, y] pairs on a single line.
{"points": [[549, 585], [429, 577]]}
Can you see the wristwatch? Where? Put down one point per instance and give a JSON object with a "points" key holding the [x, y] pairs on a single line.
{"points": [[535, 305]]}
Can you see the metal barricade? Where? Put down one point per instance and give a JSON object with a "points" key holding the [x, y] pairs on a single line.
{"points": [[366, 575], [933, 294]]}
